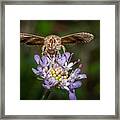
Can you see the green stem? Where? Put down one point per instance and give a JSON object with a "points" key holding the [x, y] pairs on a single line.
{"points": [[46, 94]]}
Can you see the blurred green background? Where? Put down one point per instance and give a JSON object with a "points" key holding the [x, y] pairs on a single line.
{"points": [[89, 54]]}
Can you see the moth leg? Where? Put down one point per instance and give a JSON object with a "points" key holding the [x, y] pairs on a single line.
{"points": [[63, 47], [43, 49], [58, 52]]}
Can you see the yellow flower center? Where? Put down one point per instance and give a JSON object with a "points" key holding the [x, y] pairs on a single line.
{"points": [[58, 73]]}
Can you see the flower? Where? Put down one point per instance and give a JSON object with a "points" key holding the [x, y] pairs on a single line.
{"points": [[75, 82], [50, 82], [56, 72], [42, 65], [64, 59]]}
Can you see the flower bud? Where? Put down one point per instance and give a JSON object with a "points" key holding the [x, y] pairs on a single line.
{"points": [[60, 78], [52, 71], [54, 75], [65, 77], [57, 78], [59, 75]]}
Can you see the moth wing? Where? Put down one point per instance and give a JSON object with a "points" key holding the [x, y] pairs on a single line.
{"points": [[82, 37], [30, 39]]}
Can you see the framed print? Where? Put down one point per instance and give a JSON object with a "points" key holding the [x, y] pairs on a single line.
{"points": [[66, 64], [60, 60]]}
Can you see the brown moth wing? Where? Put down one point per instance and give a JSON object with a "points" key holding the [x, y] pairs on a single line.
{"points": [[30, 39], [82, 37]]}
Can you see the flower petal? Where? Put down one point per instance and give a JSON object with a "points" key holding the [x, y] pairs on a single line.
{"points": [[76, 84], [66, 88], [50, 82], [74, 75], [72, 95], [55, 65], [77, 71], [82, 76], [61, 59], [35, 71], [43, 61], [37, 58], [46, 86], [46, 82], [70, 65], [67, 55], [39, 69]]}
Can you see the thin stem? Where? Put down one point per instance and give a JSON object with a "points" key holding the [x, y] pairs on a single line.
{"points": [[46, 94]]}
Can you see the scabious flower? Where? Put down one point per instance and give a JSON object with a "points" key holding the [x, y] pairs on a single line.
{"points": [[58, 72]]}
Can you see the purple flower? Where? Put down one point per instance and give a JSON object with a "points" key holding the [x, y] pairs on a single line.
{"points": [[77, 75], [75, 84], [37, 58], [49, 82], [72, 88], [43, 61], [61, 59], [37, 71], [42, 67], [72, 95], [56, 73]]}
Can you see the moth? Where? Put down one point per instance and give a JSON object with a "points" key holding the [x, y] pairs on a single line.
{"points": [[52, 44]]}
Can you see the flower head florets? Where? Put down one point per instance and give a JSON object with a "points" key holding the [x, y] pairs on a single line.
{"points": [[57, 72]]}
